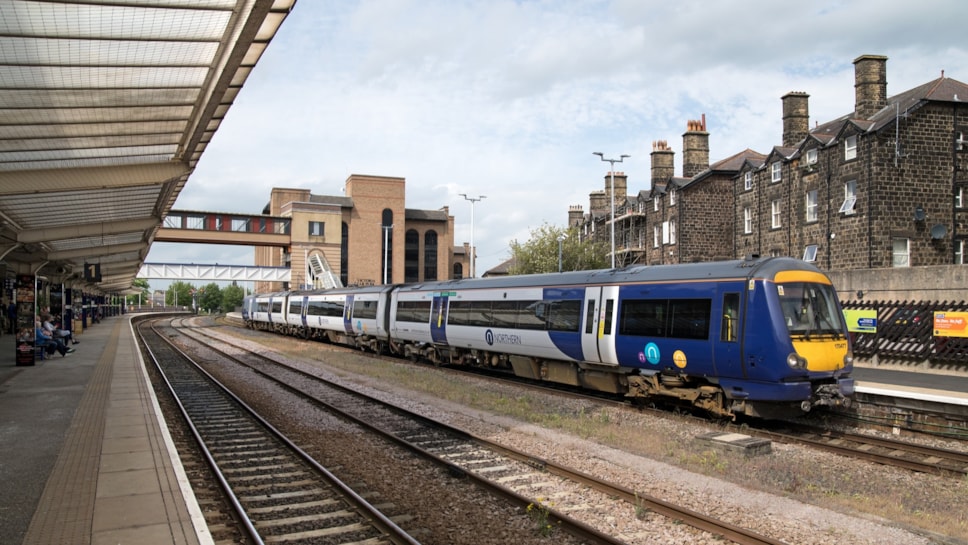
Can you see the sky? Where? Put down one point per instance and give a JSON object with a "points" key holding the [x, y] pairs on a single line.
{"points": [[509, 99]]}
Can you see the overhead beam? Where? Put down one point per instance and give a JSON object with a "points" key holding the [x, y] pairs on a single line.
{"points": [[86, 178], [87, 230], [96, 252]]}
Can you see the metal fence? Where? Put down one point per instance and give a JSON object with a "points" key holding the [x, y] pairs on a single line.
{"points": [[905, 331]]}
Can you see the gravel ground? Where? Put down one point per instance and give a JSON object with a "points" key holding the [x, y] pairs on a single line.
{"points": [[745, 500]]}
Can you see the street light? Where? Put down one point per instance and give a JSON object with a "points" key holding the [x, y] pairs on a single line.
{"points": [[386, 250], [612, 161], [561, 238], [472, 200]]}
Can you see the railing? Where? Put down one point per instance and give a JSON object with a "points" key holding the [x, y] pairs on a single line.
{"points": [[905, 332]]}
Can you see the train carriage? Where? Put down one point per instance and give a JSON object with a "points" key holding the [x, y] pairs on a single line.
{"points": [[754, 336]]}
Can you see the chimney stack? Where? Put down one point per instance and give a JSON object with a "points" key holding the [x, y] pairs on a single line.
{"points": [[575, 215], [796, 118], [663, 162], [870, 85], [695, 148]]}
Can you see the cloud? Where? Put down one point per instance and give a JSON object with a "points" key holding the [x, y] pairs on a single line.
{"points": [[510, 98]]}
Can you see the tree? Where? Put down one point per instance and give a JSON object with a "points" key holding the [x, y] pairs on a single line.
{"points": [[145, 296], [180, 292], [232, 297], [540, 253], [209, 297]]}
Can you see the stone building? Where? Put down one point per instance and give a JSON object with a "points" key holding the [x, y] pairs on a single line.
{"points": [[367, 236], [880, 187]]}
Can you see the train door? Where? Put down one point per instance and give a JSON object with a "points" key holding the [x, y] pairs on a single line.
{"points": [[302, 313], [598, 333], [727, 349], [438, 318], [348, 315]]}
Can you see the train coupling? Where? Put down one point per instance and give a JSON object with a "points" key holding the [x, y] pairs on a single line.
{"points": [[826, 395]]}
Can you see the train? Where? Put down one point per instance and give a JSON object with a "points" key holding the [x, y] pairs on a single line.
{"points": [[761, 337]]}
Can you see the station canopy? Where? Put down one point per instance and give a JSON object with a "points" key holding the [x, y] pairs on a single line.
{"points": [[105, 109]]}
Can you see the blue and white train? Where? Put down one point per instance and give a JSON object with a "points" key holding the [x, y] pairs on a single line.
{"points": [[759, 337]]}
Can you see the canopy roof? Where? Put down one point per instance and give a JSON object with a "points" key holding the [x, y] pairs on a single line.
{"points": [[105, 109]]}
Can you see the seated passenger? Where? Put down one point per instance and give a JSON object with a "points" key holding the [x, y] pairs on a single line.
{"points": [[45, 338], [54, 329]]}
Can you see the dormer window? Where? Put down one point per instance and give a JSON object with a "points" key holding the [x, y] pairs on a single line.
{"points": [[748, 181], [850, 148], [812, 156], [776, 172], [655, 204], [672, 197]]}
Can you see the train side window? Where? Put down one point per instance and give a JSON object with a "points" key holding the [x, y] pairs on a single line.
{"points": [[590, 317], [531, 315], [564, 315], [609, 304], [729, 331]]}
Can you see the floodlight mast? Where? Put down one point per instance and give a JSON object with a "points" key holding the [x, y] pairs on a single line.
{"points": [[612, 192], [473, 200]]}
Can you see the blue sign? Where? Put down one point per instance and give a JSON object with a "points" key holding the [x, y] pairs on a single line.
{"points": [[867, 322]]}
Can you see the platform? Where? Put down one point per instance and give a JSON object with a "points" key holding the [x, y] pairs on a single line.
{"points": [[83, 456]]}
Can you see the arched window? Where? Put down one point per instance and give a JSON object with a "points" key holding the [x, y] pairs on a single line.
{"points": [[458, 271], [411, 256], [430, 255], [386, 254]]}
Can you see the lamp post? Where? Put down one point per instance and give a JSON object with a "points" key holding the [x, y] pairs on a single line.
{"points": [[561, 238], [473, 200], [386, 251], [612, 199]]}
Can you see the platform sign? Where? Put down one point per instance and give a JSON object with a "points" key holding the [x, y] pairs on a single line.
{"points": [[861, 320], [951, 324]]}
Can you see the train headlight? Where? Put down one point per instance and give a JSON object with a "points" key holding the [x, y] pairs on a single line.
{"points": [[848, 359], [796, 361]]}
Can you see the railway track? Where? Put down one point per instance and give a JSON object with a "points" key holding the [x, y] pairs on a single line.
{"points": [[884, 451], [279, 493], [519, 476]]}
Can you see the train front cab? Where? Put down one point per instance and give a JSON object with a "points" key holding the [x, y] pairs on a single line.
{"points": [[796, 352]]}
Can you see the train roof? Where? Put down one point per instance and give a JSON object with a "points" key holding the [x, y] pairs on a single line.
{"points": [[720, 270]]}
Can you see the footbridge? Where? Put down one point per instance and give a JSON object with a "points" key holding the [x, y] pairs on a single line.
{"points": [[225, 228], [216, 272]]}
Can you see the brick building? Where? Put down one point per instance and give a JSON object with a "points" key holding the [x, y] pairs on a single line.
{"points": [[880, 187], [366, 236]]}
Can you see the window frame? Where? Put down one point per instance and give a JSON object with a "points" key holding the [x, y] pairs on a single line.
{"points": [[960, 197], [959, 248], [850, 148], [900, 259], [776, 214], [850, 198], [748, 181], [811, 206], [747, 220], [322, 228], [810, 251], [812, 156], [776, 172]]}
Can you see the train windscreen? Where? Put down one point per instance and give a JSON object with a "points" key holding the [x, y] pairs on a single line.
{"points": [[810, 309]]}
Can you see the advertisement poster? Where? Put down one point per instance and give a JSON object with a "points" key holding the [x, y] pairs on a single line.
{"points": [[25, 320]]}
